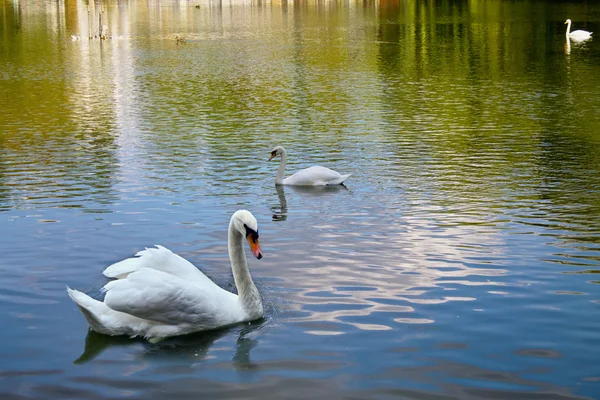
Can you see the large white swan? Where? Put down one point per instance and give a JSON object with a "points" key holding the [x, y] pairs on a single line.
{"points": [[312, 176], [577, 35], [160, 294]]}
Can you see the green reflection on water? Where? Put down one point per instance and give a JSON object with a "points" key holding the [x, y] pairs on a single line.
{"points": [[480, 88]]}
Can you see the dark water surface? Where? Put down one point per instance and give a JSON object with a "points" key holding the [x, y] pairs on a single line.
{"points": [[460, 261]]}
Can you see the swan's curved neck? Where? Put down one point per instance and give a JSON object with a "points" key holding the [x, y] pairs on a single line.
{"points": [[568, 27], [248, 294], [281, 170]]}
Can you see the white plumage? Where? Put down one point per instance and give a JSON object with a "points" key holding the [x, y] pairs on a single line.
{"points": [[312, 176], [159, 294], [578, 35]]}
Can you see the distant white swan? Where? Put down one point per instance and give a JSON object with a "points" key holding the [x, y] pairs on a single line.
{"points": [[159, 294], [313, 176], [577, 35]]}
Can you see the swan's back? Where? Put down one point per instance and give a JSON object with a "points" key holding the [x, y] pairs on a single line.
{"points": [[316, 176], [580, 35]]}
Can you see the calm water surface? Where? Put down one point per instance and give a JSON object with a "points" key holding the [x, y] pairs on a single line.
{"points": [[460, 260]]}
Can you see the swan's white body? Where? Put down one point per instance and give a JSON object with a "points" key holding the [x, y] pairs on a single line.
{"points": [[312, 176], [577, 35], [160, 294]]}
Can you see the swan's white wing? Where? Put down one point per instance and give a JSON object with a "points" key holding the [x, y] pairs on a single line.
{"points": [[580, 35], [316, 175], [159, 296], [160, 259]]}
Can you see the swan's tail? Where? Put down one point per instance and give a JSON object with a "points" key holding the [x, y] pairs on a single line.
{"points": [[107, 321], [95, 312], [88, 306], [343, 178]]}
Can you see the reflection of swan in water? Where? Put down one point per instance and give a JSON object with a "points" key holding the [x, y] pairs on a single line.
{"points": [[576, 44], [241, 358], [568, 46], [319, 191], [96, 343], [280, 211], [578, 35], [196, 345]]}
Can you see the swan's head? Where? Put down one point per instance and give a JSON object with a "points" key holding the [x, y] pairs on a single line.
{"points": [[247, 225], [277, 151], [568, 21]]}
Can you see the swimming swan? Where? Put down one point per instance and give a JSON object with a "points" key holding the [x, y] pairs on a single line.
{"points": [[577, 35], [312, 176], [159, 294]]}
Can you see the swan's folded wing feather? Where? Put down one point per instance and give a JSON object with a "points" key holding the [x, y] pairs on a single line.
{"points": [[122, 268], [316, 175], [162, 297], [160, 259]]}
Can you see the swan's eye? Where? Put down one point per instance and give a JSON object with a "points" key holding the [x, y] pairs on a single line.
{"points": [[273, 153], [251, 233]]}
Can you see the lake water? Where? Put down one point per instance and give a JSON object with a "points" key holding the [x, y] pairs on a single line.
{"points": [[460, 261]]}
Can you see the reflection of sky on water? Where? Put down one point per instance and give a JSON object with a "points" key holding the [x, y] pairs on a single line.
{"points": [[359, 266]]}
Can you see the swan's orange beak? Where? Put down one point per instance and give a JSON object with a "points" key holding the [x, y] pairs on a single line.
{"points": [[254, 246], [273, 155]]}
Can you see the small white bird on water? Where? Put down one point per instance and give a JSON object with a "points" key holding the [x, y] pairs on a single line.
{"points": [[578, 35], [159, 294], [312, 176]]}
